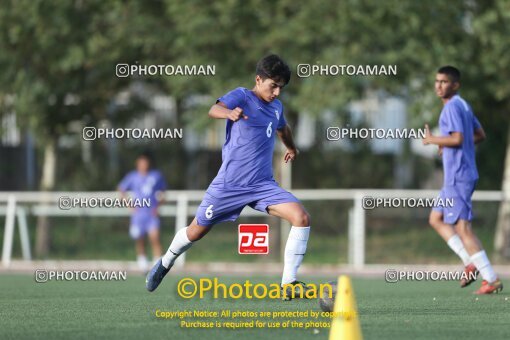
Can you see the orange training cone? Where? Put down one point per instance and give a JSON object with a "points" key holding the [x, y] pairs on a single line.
{"points": [[345, 323]]}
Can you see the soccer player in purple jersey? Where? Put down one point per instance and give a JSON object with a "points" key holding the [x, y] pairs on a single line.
{"points": [[245, 178], [144, 183], [460, 131]]}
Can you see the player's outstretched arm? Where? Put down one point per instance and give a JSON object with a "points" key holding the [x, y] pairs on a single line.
{"points": [[287, 139], [220, 111], [479, 135]]}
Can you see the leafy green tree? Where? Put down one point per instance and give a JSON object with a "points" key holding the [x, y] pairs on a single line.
{"points": [[58, 61]]}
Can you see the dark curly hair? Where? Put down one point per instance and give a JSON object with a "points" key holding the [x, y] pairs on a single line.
{"points": [[273, 67]]}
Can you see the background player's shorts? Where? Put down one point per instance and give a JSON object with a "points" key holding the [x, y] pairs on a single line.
{"points": [[141, 224], [221, 204], [462, 207]]}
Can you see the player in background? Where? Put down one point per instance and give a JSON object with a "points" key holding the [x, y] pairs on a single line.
{"points": [[246, 174], [460, 131], [145, 183]]}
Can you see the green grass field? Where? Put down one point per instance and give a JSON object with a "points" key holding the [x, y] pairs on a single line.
{"points": [[123, 309]]}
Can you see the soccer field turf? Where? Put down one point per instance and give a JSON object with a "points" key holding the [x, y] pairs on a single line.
{"points": [[124, 309]]}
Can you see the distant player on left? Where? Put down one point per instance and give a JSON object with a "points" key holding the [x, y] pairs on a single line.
{"points": [[145, 183]]}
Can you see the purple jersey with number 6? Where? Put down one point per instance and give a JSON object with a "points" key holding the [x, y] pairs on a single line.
{"points": [[248, 150], [246, 174]]}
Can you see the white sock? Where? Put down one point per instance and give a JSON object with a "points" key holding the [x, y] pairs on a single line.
{"points": [[179, 245], [455, 243], [141, 260], [294, 252], [483, 265]]}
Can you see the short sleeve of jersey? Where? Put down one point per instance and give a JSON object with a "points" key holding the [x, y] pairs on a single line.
{"points": [[281, 121], [126, 183], [454, 119], [234, 98], [476, 123]]}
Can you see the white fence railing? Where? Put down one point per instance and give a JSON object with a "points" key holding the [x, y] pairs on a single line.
{"points": [[178, 204]]}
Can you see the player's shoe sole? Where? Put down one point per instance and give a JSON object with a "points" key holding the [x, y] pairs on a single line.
{"points": [[490, 288], [470, 275], [293, 290], [155, 276]]}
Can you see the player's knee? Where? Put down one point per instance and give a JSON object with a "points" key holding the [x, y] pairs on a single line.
{"points": [[301, 219], [434, 221], [153, 235]]}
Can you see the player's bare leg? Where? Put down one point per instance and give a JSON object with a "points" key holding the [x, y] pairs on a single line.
{"points": [[444, 230], [183, 240], [155, 243], [295, 248], [449, 234], [195, 232], [455, 242], [140, 246], [491, 283], [469, 239], [293, 212], [141, 258]]}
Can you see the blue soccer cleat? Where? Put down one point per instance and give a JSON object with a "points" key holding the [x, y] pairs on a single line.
{"points": [[155, 276]]}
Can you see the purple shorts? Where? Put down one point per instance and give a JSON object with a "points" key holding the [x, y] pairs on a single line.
{"points": [[456, 202], [141, 224], [225, 204]]}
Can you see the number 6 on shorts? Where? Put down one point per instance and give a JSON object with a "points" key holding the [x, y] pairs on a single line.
{"points": [[209, 212]]}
